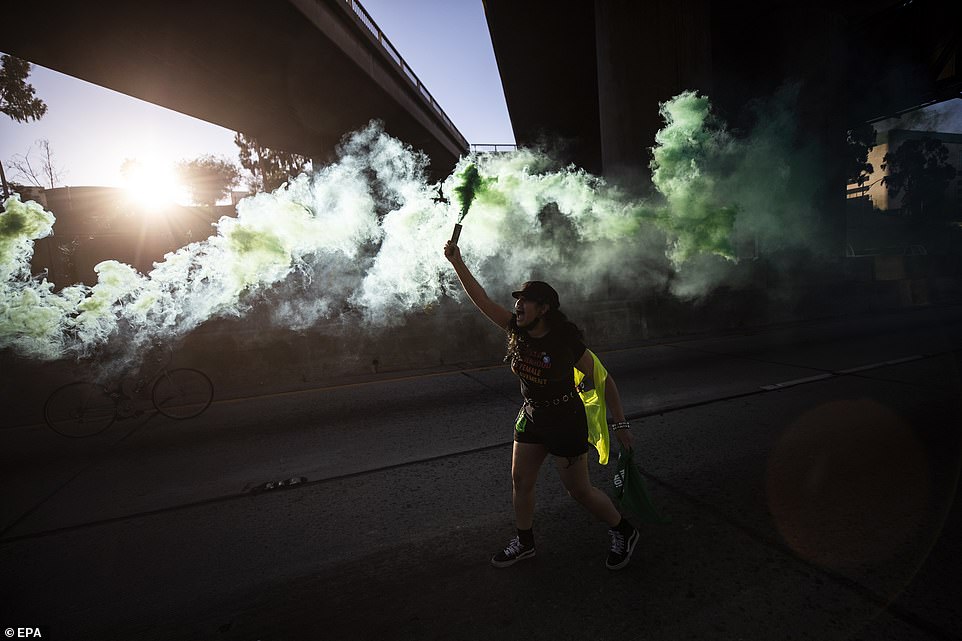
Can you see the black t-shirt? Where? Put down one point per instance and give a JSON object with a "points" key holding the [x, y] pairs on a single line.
{"points": [[546, 365]]}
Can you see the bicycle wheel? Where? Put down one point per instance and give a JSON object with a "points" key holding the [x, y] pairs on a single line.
{"points": [[182, 393], [79, 409]]}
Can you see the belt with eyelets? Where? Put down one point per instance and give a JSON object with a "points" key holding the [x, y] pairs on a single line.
{"points": [[552, 403]]}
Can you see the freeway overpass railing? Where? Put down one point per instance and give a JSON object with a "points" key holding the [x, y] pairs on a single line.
{"points": [[388, 47], [486, 148]]}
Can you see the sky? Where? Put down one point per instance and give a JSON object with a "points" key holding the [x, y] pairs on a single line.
{"points": [[92, 129]]}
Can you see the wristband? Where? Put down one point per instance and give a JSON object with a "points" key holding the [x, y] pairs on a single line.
{"points": [[621, 425]]}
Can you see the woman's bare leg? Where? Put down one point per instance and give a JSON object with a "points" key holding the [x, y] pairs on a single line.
{"points": [[526, 462], [574, 476]]}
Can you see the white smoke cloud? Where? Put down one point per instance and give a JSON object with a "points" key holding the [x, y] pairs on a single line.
{"points": [[362, 238]]}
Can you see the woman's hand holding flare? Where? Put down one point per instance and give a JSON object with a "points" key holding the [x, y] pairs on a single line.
{"points": [[452, 252]]}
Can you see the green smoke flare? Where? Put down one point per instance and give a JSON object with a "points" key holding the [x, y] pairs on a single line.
{"points": [[470, 183]]}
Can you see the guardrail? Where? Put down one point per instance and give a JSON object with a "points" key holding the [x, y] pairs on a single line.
{"points": [[388, 47], [899, 250], [482, 148]]}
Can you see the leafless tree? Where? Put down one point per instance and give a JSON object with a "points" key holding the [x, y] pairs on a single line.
{"points": [[40, 171]]}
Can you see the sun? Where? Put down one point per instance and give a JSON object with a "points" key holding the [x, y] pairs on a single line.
{"points": [[151, 184]]}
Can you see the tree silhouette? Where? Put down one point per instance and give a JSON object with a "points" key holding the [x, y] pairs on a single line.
{"points": [[919, 171], [208, 178], [17, 98], [269, 168], [859, 141]]}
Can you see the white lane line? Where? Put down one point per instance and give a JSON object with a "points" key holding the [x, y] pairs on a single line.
{"points": [[896, 361], [850, 370], [797, 381]]}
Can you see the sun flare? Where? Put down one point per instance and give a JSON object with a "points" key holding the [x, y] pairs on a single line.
{"points": [[151, 184]]}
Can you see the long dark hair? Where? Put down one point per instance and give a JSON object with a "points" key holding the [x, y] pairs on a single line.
{"points": [[557, 322]]}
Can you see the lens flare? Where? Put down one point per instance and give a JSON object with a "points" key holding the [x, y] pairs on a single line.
{"points": [[151, 185]]}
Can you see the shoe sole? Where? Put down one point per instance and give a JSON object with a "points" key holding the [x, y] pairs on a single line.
{"points": [[632, 541], [520, 557]]}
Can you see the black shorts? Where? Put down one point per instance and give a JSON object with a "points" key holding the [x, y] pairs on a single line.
{"points": [[563, 430]]}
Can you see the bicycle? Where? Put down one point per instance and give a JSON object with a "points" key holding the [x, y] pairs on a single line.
{"points": [[81, 409]]}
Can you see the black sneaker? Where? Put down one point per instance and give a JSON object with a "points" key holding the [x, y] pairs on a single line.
{"points": [[621, 548], [516, 551]]}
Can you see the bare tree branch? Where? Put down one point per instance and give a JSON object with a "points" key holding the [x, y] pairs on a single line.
{"points": [[41, 172], [51, 172], [23, 169]]}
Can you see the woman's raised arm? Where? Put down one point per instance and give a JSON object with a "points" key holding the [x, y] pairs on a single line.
{"points": [[495, 313]]}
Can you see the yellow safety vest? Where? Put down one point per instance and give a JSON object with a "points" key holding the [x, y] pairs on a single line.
{"points": [[595, 408]]}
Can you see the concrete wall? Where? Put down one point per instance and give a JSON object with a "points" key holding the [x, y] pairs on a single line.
{"points": [[249, 356], [546, 58], [630, 36], [244, 355]]}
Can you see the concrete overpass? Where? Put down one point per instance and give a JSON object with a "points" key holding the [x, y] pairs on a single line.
{"points": [[587, 77], [297, 74]]}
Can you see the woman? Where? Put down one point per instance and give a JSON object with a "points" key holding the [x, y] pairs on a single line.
{"points": [[543, 350]]}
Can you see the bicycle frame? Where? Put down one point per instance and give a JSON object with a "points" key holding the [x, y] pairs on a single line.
{"points": [[82, 409]]}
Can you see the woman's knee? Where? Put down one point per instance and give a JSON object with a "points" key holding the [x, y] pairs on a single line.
{"points": [[523, 481], [580, 492], [574, 477]]}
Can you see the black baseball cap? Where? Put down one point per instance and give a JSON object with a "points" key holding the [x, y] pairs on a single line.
{"points": [[539, 291]]}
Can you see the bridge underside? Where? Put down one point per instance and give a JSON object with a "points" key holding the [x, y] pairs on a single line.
{"points": [[591, 77], [297, 75]]}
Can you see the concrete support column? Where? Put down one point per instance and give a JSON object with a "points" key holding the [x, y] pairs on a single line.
{"points": [[647, 52]]}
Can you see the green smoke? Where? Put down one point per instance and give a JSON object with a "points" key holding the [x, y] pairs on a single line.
{"points": [[690, 151], [361, 238], [33, 318], [469, 184], [20, 224]]}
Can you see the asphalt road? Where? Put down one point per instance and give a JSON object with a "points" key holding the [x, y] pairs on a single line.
{"points": [[810, 473]]}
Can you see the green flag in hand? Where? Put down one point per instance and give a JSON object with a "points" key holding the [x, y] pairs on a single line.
{"points": [[630, 491]]}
